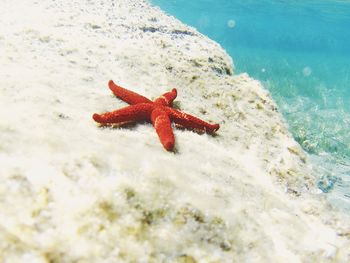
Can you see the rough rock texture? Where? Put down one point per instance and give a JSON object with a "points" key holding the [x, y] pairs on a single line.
{"points": [[73, 192]]}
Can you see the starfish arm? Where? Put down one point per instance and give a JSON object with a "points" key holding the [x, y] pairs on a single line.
{"points": [[128, 96], [138, 112], [167, 98], [190, 122], [162, 124]]}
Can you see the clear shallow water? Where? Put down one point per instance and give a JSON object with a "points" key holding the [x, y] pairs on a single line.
{"points": [[300, 50]]}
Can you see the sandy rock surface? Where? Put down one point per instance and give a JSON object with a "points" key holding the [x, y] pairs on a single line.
{"points": [[71, 191]]}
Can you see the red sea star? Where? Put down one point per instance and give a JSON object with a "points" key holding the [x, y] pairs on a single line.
{"points": [[159, 112]]}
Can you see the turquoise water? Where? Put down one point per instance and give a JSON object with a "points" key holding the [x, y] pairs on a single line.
{"points": [[300, 50]]}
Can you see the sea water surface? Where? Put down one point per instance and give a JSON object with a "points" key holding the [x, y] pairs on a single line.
{"points": [[300, 50]]}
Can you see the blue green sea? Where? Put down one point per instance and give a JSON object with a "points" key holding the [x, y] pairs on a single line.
{"points": [[300, 50]]}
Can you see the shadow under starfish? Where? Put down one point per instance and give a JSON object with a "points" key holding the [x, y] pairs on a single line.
{"points": [[160, 112]]}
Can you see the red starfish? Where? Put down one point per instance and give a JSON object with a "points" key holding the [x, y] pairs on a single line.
{"points": [[159, 112]]}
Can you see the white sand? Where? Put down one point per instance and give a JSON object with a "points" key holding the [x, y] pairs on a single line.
{"points": [[73, 192]]}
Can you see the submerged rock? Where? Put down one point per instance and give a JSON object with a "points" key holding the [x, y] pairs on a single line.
{"points": [[71, 192]]}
